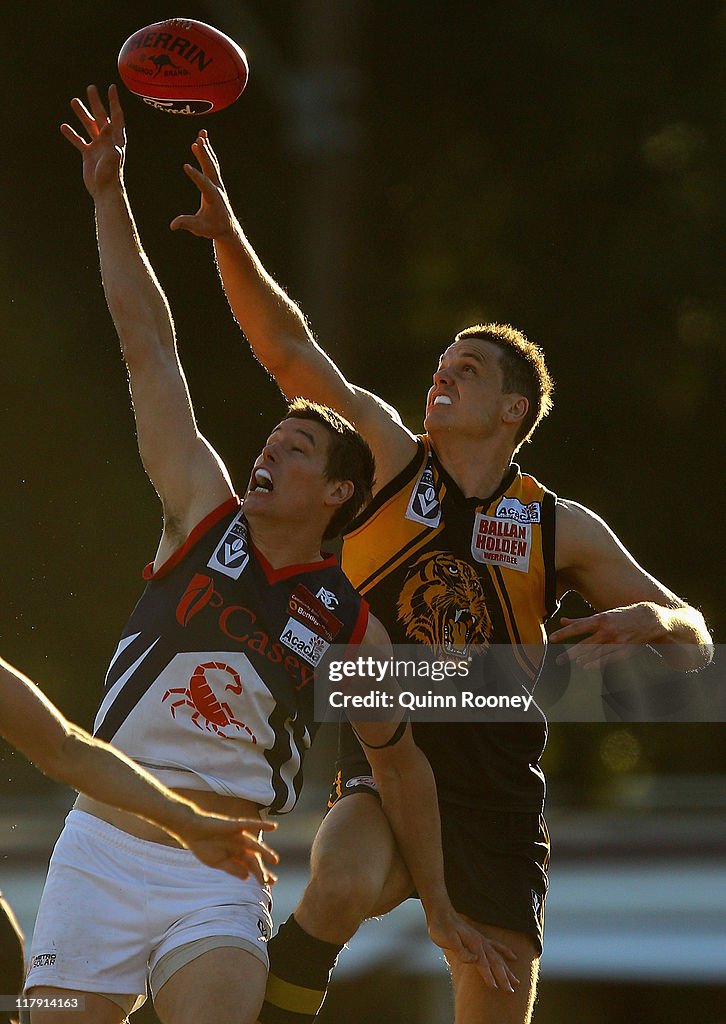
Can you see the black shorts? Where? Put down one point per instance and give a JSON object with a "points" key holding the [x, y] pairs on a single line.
{"points": [[495, 862]]}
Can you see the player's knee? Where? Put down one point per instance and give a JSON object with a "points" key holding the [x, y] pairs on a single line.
{"points": [[345, 892]]}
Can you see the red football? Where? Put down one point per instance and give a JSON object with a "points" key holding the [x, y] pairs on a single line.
{"points": [[183, 67]]}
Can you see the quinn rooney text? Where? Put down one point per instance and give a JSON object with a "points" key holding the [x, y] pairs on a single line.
{"points": [[412, 701]]}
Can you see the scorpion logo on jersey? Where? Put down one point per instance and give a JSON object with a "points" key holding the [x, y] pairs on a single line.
{"points": [[442, 605], [200, 696]]}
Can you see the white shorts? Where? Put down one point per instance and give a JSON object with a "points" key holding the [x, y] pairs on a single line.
{"points": [[118, 912]]}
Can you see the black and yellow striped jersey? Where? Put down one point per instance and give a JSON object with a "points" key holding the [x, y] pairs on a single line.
{"points": [[456, 573]]}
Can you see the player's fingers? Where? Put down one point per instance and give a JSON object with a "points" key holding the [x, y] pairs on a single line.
{"points": [[97, 108], [81, 111], [210, 154], [203, 182], [256, 846], [191, 223], [569, 628], [261, 873], [607, 654], [503, 949], [503, 976], [201, 153], [263, 826], [117, 114], [485, 973], [73, 137]]}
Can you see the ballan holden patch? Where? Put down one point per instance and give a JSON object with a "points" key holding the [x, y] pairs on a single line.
{"points": [[231, 555], [308, 645], [424, 505], [501, 542]]}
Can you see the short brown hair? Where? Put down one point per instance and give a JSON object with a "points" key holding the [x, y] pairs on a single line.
{"points": [[349, 458], [524, 371]]}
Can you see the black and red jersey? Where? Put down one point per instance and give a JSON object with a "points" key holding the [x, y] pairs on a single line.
{"points": [[211, 685]]}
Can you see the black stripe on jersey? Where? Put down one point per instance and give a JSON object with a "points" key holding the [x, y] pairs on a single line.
{"points": [[279, 755], [521, 651], [382, 570], [134, 688], [549, 501], [416, 464]]}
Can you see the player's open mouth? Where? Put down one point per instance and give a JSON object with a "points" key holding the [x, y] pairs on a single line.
{"points": [[262, 482], [442, 400]]}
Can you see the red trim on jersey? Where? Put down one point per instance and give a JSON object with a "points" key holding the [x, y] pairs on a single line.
{"points": [[359, 630], [285, 571], [197, 533]]}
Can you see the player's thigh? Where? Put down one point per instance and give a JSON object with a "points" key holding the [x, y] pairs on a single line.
{"points": [[355, 849], [97, 1009], [222, 986], [475, 1003]]}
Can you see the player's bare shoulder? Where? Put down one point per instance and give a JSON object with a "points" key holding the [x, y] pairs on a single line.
{"points": [[581, 534]]}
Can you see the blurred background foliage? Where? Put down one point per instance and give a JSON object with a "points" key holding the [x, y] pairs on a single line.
{"points": [[404, 169]]}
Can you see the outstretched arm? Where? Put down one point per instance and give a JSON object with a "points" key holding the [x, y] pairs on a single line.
{"points": [[275, 327], [32, 724], [631, 606], [186, 472], [408, 794]]}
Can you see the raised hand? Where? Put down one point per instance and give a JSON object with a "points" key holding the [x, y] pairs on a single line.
{"points": [[231, 845], [215, 217], [104, 152]]}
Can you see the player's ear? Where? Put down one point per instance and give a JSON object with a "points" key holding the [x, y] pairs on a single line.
{"points": [[516, 410], [339, 491]]}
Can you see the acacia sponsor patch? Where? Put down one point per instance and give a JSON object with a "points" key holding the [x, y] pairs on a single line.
{"points": [[501, 542], [303, 641], [513, 508]]}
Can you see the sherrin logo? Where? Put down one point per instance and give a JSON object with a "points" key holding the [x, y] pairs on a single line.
{"points": [[303, 641]]}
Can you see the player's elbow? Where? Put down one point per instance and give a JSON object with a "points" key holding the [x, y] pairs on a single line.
{"points": [[691, 646]]}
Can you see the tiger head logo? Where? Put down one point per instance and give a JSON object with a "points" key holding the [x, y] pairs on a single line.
{"points": [[442, 605]]}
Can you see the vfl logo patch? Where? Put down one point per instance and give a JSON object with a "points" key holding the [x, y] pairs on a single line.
{"points": [[44, 960], [501, 542], [303, 641], [424, 506], [312, 613], [512, 508], [231, 555]]}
